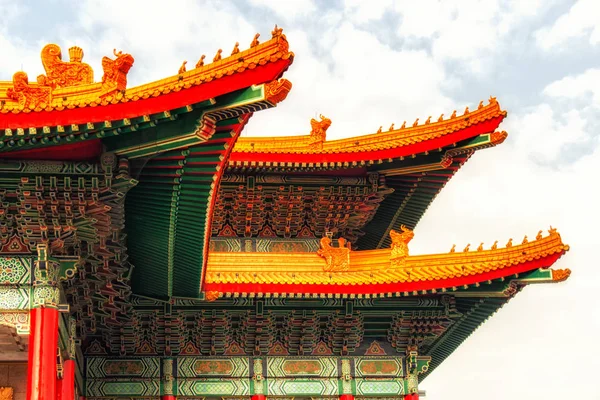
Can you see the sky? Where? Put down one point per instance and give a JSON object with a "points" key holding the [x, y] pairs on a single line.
{"points": [[365, 64]]}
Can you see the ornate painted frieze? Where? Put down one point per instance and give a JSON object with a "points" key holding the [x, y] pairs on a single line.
{"points": [[244, 376]]}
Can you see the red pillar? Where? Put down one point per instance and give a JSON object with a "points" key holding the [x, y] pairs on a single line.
{"points": [[43, 341], [346, 397], [259, 397], [59, 386], [168, 397], [67, 386], [413, 396]]}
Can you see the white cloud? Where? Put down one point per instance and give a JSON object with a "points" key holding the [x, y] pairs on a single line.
{"points": [[544, 138], [288, 9], [583, 86], [582, 20], [463, 30], [359, 11], [167, 36], [359, 83]]}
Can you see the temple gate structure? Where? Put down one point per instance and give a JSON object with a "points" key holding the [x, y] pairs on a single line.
{"points": [[149, 252]]}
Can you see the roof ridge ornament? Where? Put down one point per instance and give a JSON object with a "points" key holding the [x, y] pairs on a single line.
{"points": [[28, 96], [318, 132], [337, 259], [61, 73], [399, 247], [115, 72]]}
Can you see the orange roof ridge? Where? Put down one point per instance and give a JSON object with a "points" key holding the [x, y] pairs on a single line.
{"points": [[55, 91], [385, 266], [307, 144]]}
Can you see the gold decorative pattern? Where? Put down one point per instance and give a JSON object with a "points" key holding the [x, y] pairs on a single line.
{"points": [[376, 141], [6, 393], [25, 97], [371, 266], [560, 275], [318, 132], [212, 295], [276, 91], [60, 74], [399, 248], [115, 72], [336, 258]]}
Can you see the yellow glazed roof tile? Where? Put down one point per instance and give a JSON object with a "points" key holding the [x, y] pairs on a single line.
{"points": [[20, 95], [373, 266], [316, 143]]}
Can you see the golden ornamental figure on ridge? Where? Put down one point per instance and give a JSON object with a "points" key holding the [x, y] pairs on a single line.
{"points": [[337, 259], [319, 131], [399, 248], [61, 73]]}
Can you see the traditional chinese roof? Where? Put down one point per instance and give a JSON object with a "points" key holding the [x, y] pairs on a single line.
{"points": [[66, 107], [373, 272], [367, 149], [359, 188], [177, 134]]}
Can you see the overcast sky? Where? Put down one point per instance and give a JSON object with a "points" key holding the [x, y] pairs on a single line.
{"points": [[370, 63]]}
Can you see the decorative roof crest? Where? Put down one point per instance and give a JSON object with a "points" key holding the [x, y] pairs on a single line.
{"points": [[115, 71], [400, 245], [61, 73], [337, 259], [319, 131]]}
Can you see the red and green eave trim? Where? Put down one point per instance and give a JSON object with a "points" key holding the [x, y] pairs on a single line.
{"points": [[90, 149]]}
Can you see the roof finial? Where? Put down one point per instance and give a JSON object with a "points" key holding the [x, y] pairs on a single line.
{"points": [[441, 118], [380, 129], [403, 125], [218, 55], [495, 245], [428, 120], [182, 69], [480, 106], [391, 127], [453, 249], [525, 240], [276, 31], [236, 48], [453, 114], [466, 250], [539, 235], [466, 110], [493, 100], [416, 122], [480, 248], [255, 42], [200, 62], [509, 244]]}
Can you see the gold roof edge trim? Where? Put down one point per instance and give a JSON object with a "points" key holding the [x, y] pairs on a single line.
{"points": [[376, 266], [304, 144], [21, 96]]}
